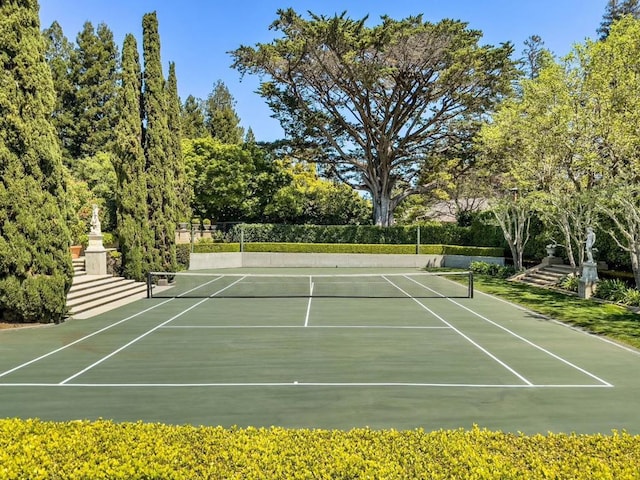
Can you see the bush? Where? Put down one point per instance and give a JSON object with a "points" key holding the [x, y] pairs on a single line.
{"points": [[491, 269], [430, 233], [613, 290], [104, 449], [569, 282], [632, 297]]}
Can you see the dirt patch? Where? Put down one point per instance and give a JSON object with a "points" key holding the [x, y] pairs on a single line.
{"points": [[6, 326]]}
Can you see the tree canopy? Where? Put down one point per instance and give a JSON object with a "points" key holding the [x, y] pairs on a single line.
{"points": [[374, 104]]}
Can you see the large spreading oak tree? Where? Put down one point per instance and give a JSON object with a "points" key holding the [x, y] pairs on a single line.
{"points": [[376, 105]]}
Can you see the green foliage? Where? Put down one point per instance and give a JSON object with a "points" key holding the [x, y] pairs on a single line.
{"points": [[134, 236], [109, 450], [183, 188], [311, 199], [221, 120], [430, 233], [491, 269], [569, 282], [615, 290], [192, 118], [160, 165], [35, 263], [231, 182], [94, 74], [183, 251]]}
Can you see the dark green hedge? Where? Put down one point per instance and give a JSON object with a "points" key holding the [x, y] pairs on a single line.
{"points": [[281, 247], [430, 234]]}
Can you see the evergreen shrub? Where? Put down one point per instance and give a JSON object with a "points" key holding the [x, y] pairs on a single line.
{"points": [[106, 450], [430, 233]]}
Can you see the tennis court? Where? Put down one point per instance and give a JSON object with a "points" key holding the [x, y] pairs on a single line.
{"points": [[321, 348]]}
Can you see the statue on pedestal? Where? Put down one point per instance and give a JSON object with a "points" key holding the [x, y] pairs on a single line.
{"points": [[591, 239], [95, 222]]}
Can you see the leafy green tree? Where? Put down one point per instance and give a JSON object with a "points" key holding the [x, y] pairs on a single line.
{"points": [[192, 118], [97, 171], [542, 143], [35, 264], [159, 168], [612, 79], [183, 191], [311, 199], [58, 55], [222, 176], [614, 11], [221, 119], [95, 76], [375, 103], [133, 232]]}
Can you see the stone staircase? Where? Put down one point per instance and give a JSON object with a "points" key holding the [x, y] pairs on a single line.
{"points": [[544, 275], [93, 294]]}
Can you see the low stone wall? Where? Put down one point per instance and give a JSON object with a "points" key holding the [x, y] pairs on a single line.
{"points": [[203, 261]]}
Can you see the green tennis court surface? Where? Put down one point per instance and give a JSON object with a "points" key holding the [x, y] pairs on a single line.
{"points": [[384, 351]]}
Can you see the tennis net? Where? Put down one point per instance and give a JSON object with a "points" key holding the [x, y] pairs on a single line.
{"points": [[253, 285]]}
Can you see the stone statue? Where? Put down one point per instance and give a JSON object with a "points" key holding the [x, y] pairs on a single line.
{"points": [[591, 239], [95, 222]]}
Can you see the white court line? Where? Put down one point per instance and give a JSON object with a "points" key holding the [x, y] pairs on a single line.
{"points": [[372, 327], [298, 384], [477, 345], [627, 348], [26, 364], [81, 339], [520, 337], [306, 318], [140, 337]]}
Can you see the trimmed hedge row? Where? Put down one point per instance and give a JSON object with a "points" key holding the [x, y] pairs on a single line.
{"points": [[430, 233], [347, 248], [99, 450]]}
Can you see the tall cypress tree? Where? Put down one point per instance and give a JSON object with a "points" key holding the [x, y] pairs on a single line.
{"points": [[58, 55], [157, 148], [95, 75], [221, 120], [192, 118], [35, 264], [614, 11], [183, 194], [129, 162]]}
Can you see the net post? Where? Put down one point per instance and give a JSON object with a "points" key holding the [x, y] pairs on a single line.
{"points": [[148, 284], [470, 284], [242, 237]]}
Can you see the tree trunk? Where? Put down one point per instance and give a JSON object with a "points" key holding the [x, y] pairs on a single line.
{"points": [[383, 210], [635, 264]]}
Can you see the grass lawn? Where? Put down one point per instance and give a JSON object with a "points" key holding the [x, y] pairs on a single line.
{"points": [[614, 321]]}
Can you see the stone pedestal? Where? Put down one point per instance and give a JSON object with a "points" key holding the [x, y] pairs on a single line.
{"points": [[588, 280], [95, 256]]}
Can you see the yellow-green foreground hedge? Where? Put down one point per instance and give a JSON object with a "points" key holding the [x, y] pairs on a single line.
{"points": [[41, 450]]}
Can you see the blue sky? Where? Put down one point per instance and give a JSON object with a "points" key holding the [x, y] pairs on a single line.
{"points": [[197, 34]]}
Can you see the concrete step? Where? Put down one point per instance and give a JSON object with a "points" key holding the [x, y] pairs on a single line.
{"points": [[102, 295], [546, 275], [87, 284]]}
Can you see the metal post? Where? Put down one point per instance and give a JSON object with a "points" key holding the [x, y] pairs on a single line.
{"points": [[470, 284], [148, 284], [418, 240], [242, 237]]}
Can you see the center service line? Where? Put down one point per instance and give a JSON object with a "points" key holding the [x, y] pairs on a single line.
{"points": [[467, 338]]}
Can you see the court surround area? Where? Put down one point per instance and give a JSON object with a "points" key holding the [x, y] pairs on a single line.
{"points": [[390, 350]]}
